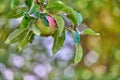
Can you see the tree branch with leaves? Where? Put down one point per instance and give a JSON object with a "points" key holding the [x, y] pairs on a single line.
{"points": [[45, 18]]}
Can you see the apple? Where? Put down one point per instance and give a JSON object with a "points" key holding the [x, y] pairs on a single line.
{"points": [[46, 30]]}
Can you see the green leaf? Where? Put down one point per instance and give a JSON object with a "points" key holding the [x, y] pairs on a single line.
{"points": [[55, 6], [45, 3], [36, 31], [24, 22], [41, 1], [79, 54], [76, 36], [28, 2], [34, 8], [14, 3], [58, 41], [71, 14], [35, 15], [80, 19], [32, 38], [90, 32], [43, 16], [25, 40], [60, 23], [15, 36], [16, 13]]}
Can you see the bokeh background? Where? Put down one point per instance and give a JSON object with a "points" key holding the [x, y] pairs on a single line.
{"points": [[101, 58]]}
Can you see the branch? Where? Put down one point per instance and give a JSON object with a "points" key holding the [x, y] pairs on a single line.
{"points": [[68, 29], [40, 4], [37, 1]]}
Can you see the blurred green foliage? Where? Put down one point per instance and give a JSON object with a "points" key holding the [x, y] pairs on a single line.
{"points": [[103, 16]]}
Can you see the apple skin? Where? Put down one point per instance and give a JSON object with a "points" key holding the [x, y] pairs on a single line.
{"points": [[46, 30]]}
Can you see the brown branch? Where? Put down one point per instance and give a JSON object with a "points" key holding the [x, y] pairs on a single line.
{"points": [[68, 29], [40, 4], [37, 1]]}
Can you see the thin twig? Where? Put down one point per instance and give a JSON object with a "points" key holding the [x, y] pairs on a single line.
{"points": [[68, 29], [80, 33], [37, 1]]}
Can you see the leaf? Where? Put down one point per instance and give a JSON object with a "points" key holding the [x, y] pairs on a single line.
{"points": [[34, 8], [45, 3], [14, 3], [36, 31], [25, 40], [43, 16], [71, 14], [79, 54], [15, 36], [24, 22], [41, 1], [58, 41], [16, 13], [32, 38], [60, 23], [28, 2], [80, 19], [55, 6], [90, 32], [67, 21], [35, 14], [76, 36]]}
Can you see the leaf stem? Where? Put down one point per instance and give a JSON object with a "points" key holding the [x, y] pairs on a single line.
{"points": [[78, 31]]}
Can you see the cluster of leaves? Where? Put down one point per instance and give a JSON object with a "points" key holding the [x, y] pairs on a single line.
{"points": [[66, 18]]}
